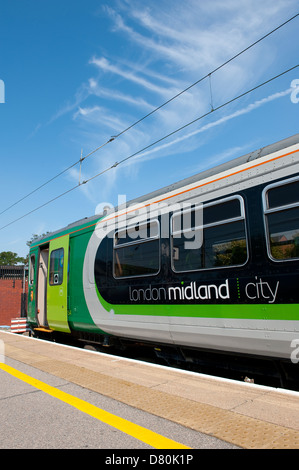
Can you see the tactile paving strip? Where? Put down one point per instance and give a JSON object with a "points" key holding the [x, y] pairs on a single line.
{"points": [[243, 431]]}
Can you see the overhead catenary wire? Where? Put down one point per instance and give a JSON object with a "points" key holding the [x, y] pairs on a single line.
{"points": [[53, 178], [152, 144], [111, 139], [210, 73], [38, 188], [40, 207], [194, 120]]}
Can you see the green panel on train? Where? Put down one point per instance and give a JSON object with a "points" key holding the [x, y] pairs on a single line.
{"points": [[57, 312]]}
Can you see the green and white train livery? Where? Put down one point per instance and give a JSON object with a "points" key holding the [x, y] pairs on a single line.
{"points": [[210, 263]]}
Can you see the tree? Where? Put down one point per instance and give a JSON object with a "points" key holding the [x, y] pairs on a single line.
{"points": [[36, 237], [8, 258]]}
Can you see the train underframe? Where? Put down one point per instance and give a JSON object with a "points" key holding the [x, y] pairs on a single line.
{"points": [[268, 371]]}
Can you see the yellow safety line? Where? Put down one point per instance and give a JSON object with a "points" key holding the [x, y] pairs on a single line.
{"points": [[142, 434]]}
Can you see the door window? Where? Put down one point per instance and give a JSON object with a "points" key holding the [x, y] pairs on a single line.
{"points": [[56, 267]]}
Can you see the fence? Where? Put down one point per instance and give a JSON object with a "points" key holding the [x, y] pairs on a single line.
{"points": [[13, 272]]}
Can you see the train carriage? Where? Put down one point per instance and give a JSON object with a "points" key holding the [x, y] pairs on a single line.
{"points": [[208, 264]]}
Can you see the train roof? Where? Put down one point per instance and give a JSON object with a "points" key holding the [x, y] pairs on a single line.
{"points": [[256, 154], [262, 152]]}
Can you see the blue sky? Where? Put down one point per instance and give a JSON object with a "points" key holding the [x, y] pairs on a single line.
{"points": [[77, 73]]}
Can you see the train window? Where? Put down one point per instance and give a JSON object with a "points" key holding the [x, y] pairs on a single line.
{"points": [[138, 231], [283, 195], [220, 240], [32, 269], [281, 208], [56, 267], [229, 209], [137, 251]]}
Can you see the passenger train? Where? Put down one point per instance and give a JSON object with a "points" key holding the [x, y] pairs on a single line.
{"points": [[207, 265]]}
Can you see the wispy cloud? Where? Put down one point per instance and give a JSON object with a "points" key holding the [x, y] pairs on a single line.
{"points": [[99, 116], [191, 34], [115, 95], [160, 150], [166, 50], [245, 110], [35, 131], [103, 64]]}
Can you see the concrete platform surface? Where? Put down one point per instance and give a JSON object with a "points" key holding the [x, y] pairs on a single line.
{"points": [[243, 414]]}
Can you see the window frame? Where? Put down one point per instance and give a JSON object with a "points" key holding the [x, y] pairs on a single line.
{"points": [[136, 242], [267, 211], [50, 258], [203, 206], [32, 268]]}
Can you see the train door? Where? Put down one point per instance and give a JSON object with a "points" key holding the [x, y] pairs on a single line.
{"points": [[41, 297], [32, 285], [57, 311]]}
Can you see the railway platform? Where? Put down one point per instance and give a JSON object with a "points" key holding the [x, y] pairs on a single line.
{"points": [[231, 414]]}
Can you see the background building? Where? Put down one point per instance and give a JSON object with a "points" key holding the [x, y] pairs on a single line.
{"points": [[13, 293]]}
